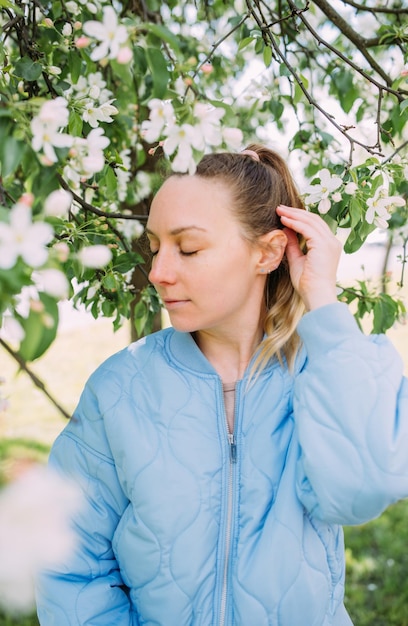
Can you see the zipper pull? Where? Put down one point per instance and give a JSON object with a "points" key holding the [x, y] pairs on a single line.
{"points": [[233, 447]]}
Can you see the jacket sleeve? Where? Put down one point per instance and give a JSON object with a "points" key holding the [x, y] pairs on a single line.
{"points": [[87, 589], [351, 416]]}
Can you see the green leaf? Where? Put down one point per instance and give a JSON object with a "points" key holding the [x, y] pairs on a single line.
{"points": [[7, 4], [259, 46], [385, 314], [40, 329], [342, 84], [28, 69], [75, 123], [164, 34], [75, 65], [160, 74], [110, 180], [109, 282], [245, 42], [267, 55], [276, 108], [11, 154], [127, 261], [404, 105], [139, 56]]}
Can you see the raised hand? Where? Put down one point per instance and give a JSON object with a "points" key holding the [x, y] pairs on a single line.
{"points": [[313, 273]]}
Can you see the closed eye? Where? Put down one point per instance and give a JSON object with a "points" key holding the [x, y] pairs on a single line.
{"points": [[188, 253]]}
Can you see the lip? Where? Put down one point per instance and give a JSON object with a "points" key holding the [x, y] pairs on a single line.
{"points": [[174, 304]]}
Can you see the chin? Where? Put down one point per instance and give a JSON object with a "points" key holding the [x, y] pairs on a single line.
{"points": [[183, 326]]}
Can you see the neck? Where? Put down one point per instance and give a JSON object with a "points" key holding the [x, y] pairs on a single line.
{"points": [[229, 355]]}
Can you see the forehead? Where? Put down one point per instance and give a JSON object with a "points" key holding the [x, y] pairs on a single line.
{"points": [[191, 200]]}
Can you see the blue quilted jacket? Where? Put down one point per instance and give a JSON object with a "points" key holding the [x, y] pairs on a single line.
{"points": [[185, 526]]}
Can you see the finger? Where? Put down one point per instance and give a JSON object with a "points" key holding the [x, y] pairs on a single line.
{"points": [[303, 222], [293, 249]]}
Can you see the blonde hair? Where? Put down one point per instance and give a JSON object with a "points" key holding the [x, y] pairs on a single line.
{"points": [[258, 187]]}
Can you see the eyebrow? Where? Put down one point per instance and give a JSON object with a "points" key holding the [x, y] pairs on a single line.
{"points": [[178, 231]]}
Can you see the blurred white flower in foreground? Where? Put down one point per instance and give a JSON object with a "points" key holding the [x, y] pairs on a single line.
{"points": [[11, 330], [108, 32], [53, 282], [320, 193], [95, 256], [22, 237], [4, 403], [233, 137], [35, 532], [58, 202]]}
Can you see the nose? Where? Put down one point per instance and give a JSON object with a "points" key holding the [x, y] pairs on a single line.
{"points": [[162, 271]]}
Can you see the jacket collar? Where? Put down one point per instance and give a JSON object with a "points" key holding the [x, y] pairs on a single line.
{"points": [[182, 349]]}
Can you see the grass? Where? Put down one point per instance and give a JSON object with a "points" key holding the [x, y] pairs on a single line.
{"points": [[376, 553]]}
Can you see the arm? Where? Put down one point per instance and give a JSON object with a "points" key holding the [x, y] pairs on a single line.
{"points": [[351, 400], [351, 413], [87, 589]]}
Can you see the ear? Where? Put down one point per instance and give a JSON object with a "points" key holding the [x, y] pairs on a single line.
{"points": [[272, 247]]}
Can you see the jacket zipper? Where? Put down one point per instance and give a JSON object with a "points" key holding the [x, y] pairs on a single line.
{"points": [[232, 459]]}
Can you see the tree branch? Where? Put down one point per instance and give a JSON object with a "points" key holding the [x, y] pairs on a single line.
{"points": [[37, 381], [310, 99], [350, 33], [89, 207], [388, 11], [356, 68]]}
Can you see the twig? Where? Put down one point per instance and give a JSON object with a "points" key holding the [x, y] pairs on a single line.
{"points": [[312, 101], [360, 42], [89, 207], [37, 381], [348, 61]]}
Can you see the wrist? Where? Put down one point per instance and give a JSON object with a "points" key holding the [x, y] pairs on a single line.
{"points": [[321, 297]]}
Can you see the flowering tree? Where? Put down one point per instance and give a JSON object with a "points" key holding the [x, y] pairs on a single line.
{"points": [[98, 99]]}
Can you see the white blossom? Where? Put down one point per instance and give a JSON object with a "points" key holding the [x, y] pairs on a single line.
{"points": [[61, 248], [161, 115], [208, 124], [54, 112], [53, 282], [350, 189], [102, 113], [131, 229], [379, 207], [233, 137], [320, 193], [23, 238], [72, 7], [86, 156], [125, 55], [35, 532], [58, 202], [11, 330], [123, 174], [108, 32], [95, 256], [182, 139], [46, 128], [67, 29]]}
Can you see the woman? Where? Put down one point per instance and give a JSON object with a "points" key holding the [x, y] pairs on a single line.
{"points": [[220, 457]]}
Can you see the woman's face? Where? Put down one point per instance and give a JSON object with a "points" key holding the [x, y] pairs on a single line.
{"points": [[206, 273]]}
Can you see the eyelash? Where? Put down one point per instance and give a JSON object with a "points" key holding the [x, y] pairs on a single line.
{"points": [[155, 252]]}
